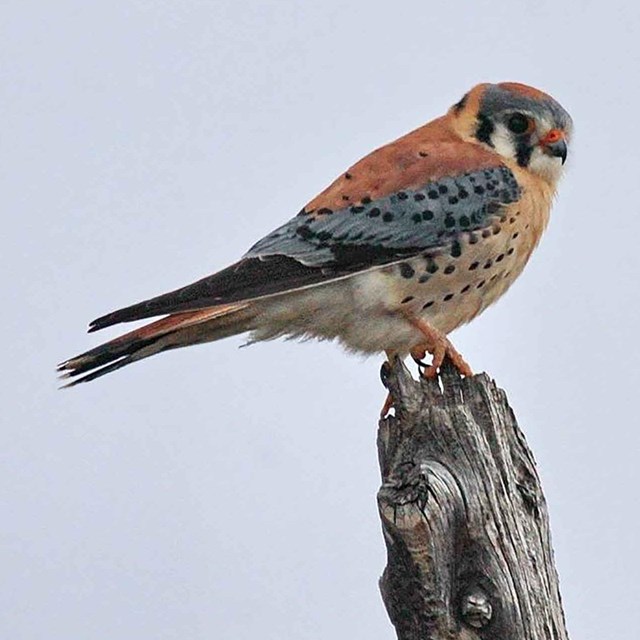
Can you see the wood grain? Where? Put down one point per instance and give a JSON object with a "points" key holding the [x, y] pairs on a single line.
{"points": [[463, 515]]}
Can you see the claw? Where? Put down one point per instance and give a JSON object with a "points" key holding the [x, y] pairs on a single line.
{"points": [[418, 356], [440, 347]]}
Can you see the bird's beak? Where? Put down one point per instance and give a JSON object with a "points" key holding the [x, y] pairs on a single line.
{"points": [[554, 144]]}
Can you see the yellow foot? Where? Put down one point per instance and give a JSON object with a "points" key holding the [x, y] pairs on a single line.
{"points": [[440, 347]]}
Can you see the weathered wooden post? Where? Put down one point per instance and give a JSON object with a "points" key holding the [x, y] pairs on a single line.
{"points": [[463, 515]]}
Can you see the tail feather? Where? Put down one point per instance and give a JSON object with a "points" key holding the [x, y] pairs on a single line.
{"points": [[172, 332]]}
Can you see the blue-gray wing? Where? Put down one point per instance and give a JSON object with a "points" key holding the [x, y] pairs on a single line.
{"points": [[400, 224], [320, 245]]}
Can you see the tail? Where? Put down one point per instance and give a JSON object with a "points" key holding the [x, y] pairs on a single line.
{"points": [[172, 332]]}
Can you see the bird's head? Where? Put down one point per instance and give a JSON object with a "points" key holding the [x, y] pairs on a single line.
{"points": [[519, 123]]}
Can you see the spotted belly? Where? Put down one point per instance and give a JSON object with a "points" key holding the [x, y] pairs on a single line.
{"points": [[447, 287], [450, 287]]}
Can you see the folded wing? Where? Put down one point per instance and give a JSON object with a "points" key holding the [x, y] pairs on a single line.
{"points": [[403, 199], [323, 243]]}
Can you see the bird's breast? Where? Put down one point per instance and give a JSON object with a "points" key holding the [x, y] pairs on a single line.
{"points": [[451, 285], [447, 286]]}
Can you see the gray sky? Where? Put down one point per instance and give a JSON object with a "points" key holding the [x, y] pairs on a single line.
{"points": [[217, 492]]}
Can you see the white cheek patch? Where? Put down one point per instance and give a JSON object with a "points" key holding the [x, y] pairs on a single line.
{"points": [[503, 142], [549, 167], [544, 165]]}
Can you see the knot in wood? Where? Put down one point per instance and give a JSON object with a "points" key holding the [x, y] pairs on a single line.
{"points": [[476, 610], [408, 484]]}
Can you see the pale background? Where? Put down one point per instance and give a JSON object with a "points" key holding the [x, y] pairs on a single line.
{"points": [[225, 493]]}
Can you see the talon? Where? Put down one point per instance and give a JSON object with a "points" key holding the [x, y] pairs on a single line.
{"points": [[385, 372], [440, 347], [459, 362], [430, 372], [418, 356], [422, 365]]}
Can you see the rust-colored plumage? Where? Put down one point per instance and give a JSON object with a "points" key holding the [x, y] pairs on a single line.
{"points": [[424, 155], [409, 243]]}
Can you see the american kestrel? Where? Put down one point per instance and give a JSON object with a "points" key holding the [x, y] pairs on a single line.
{"points": [[414, 240]]}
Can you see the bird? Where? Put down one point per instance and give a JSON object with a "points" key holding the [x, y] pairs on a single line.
{"points": [[411, 242]]}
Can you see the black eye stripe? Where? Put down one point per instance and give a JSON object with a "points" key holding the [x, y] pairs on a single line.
{"points": [[523, 153], [484, 129]]}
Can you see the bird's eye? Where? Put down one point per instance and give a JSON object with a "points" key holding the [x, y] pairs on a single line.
{"points": [[518, 123]]}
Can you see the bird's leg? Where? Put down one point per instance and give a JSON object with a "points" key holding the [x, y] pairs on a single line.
{"points": [[439, 346]]}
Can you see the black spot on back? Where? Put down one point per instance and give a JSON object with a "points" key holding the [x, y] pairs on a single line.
{"points": [[305, 232]]}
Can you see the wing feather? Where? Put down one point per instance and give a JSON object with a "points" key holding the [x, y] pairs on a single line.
{"points": [[401, 223], [426, 196], [245, 280]]}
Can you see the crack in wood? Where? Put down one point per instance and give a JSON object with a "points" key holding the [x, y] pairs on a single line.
{"points": [[464, 518]]}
